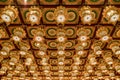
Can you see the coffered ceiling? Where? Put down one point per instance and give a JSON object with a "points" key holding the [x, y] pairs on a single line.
{"points": [[59, 39]]}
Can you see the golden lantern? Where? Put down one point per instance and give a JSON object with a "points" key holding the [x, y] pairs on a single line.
{"points": [[6, 47], [111, 14], [19, 68], [75, 69], [87, 15], [79, 47], [41, 53], [60, 15], [61, 36], [116, 65], [10, 75], [86, 75], [103, 34], [102, 66], [34, 15], [14, 58], [107, 56], [99, 74], [111, 73], [61, 60], [82, 34], [45, 60], [9, 14], [35, 75], [38, 35], [92, 59], [29, 59], [47, 69], [18, 34], [4, 67], [23, 46], [80, 52], [61, 70], [97, 47], [61, 52], [77, 60], [115, 46], [32, 68], [23, 75], [89, 68]]}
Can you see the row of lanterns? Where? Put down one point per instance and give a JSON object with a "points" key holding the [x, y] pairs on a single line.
{"points": [[110, 13]]}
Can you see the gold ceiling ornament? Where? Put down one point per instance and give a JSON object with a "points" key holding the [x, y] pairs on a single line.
{"points": [[103, 34], [61, 60], [38, 35], [89, 68], [75, 69], [116, 65], [44, 60], [87, 15], [82, 34], [99, 74], [29, 59], [35, 75], [4, 68], [18, 34], [79, 47], [6, 48], [61, 52], [41, 53], [9, 14], [32, 68], [92, 59], [111, 73], [102, 66], [61, 70], [107, 56], [24, 47], [19, 68], [97, 47], [86, 75], [115, 46], [61, 46], [14, 58], [77, 60], [23, 75], [111, 14], [60, 15], [9, 75], [34, 15], [61, 36]]}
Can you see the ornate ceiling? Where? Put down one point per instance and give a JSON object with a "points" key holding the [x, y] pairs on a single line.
{"points": [[60, 39]]}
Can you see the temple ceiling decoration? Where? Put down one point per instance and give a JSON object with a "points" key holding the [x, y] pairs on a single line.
{"points": [[59, 39]]}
